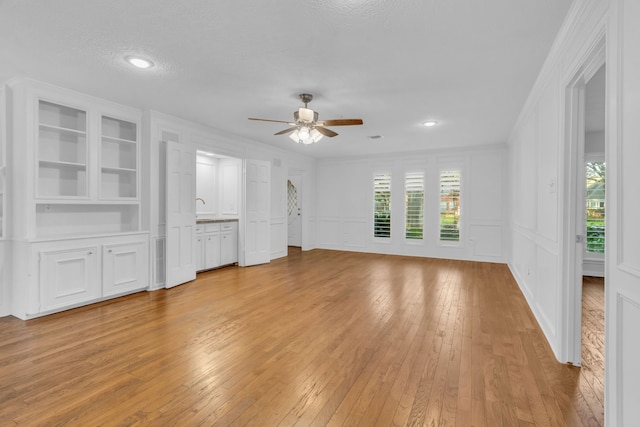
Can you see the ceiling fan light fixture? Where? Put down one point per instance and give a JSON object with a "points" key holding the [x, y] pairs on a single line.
{"points": [[303, 133], [306, 129], [315, 136]]}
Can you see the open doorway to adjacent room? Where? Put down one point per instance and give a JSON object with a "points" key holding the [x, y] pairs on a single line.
{"points": [[294, 210], [592, 218]]}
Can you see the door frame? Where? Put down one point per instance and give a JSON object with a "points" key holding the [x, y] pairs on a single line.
{"points": [[573, 171], [299, 177]]}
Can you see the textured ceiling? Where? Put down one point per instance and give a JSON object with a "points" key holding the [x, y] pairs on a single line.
{"points": [[469, 64]]}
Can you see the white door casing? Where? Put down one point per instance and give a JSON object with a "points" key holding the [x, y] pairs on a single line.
{"points": [[255, 228], [574, 207], [181, 216]]}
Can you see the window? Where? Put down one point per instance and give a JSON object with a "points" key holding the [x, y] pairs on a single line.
{"points": [[414, 205], [450, 205], [382, 205], [595, 175]]}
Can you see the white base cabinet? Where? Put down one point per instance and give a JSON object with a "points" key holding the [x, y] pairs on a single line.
{"points": [[212, 249], [63, 274], [217, 244], [124, 267], [228, 243], [68, 277]]}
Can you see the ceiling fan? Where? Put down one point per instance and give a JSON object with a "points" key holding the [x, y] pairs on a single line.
{"points": [[306, 128]]}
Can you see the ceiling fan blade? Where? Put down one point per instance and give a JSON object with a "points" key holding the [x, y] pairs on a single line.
{"points": [[282, 132], [267, 120], [341, 122], [325, 131]]}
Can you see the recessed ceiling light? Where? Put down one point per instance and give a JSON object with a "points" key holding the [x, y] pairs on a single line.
{"points": [[139, 62], [430, 123]]}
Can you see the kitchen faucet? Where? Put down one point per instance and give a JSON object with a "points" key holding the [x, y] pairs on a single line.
{"points": [[198, 198]]}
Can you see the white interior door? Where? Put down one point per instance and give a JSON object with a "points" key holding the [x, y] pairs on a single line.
{"points": [[181, 215], [255, 234], [294, 211]]}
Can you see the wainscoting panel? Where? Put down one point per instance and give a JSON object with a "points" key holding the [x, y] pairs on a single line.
{"points": [[487, 240]]}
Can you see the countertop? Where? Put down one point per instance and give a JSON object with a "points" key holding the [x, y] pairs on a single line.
{"points": [[210, 220]]}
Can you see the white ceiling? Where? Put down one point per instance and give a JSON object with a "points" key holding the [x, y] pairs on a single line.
{"points": [[468, 64]]}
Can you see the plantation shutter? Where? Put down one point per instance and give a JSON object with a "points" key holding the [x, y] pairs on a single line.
{"points": [[414, 205], [450, 205], [382, 205]]}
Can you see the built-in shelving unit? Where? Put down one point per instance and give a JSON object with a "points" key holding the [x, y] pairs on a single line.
{"points": [[77, 199], [87, 174]]}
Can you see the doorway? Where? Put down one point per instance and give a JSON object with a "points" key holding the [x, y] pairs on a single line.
{"points": [[294, 211], [592, 216], [585, 147]]}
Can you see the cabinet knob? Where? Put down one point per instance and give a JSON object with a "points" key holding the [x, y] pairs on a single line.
{"points": [[110, 250], [90, 253]]}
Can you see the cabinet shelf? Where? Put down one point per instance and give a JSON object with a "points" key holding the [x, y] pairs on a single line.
{"points": [[59, 164], [44, 126], [118, 140], [117, 170], [118, 129], [62, 117]]}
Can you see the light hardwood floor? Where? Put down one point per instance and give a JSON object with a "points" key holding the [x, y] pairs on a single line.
{"points": [[592, 371], [317, 338]]}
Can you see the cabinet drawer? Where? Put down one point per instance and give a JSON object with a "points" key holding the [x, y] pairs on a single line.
{"points": [[226, 226], [213, 227]]}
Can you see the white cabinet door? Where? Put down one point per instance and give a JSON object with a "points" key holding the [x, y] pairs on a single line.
{"points": [[199, 252], [212, 250], [68, 277], [229, 243], [124, 268]]}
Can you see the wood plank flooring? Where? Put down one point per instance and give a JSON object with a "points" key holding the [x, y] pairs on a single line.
{"points": [[320, 338], [592, 371]]}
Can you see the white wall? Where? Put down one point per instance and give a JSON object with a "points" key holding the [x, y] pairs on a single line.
{"points": [[622, 261], [5, 297], [594, 143], [206, 185], [344, 204], [537, 148], [5, 306]]}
